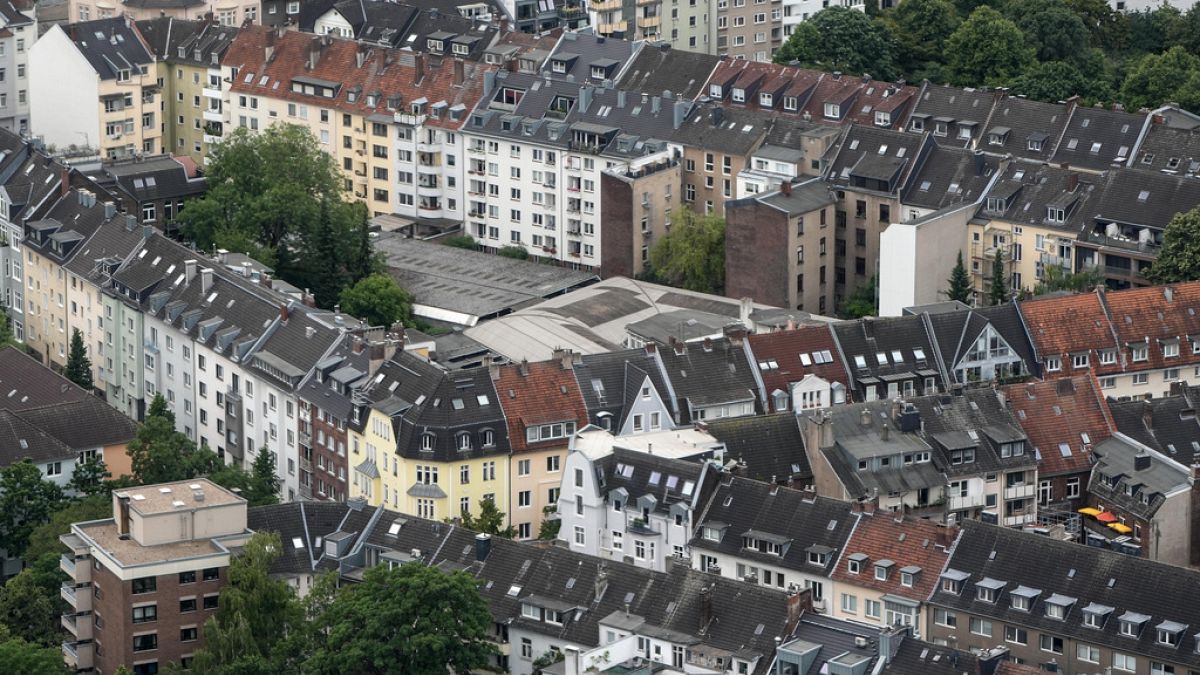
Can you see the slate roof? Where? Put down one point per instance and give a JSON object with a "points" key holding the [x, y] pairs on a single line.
{"points": [[915, 656], [334, 395], [588, 49], [616, 372], [542, 392], [858, 437], [907, 543], [112, 242], [1144, 199], [178, 40], [1028, 188], [950, 176], [831, 638], [1097, 139], [30, 178], [863, 341], [708, 373], [82, 425], [659, 68], [445, 404], [1167, 424], [746, 619], [1148, 487], [766, 447], [451, 28], [740, 505], [1022, 122], [879, 160], [730, 131], [397, 81], [954, 106], [61, 232], [110, 45], [20, 440], [1089, 576], [976, 419], [1168, 148], [1058, 412], [153, 178], [25, 383], [378, 22], [13, 13], [792, 353], [668, 480], [955, 332]]}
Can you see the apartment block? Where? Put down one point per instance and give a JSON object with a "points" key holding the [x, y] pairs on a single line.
{"points": [[141, 584], [20, 27], [226, 12]]}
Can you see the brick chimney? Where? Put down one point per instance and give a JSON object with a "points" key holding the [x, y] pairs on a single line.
{"points": [[284, 312], [706, 610], [65, 188], [798, 602], [786, 188], [460, 72], [418, 67]]}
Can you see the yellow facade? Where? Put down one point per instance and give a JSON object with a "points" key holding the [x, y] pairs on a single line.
{"points": [[536, 481], [189, 131], [1026, 249], [131, 114], [45, 309], [85, 311]]}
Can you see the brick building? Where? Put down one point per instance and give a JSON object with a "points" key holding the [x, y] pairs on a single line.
{"points": [[142, 583]]}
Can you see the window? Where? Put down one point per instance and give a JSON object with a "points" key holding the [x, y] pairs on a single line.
{"points": [[1126, 662], [981, 627], [552, 463], [145, 585], [211, 574], [871, 608], [523, 467], [145, 643], [1079, 361], [187, 577], [187, 605], [211, 601], [944, 618], [1016, 635], [1052, 644], [580, 538], [187, 634], [849, 603], [145, 614], [1088, 653], [1053, 364]]}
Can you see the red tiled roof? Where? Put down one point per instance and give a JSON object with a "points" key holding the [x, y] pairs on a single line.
{"points": [[1057, 411], [785, 348], [1069, 324], [388, 72], [909, 542], [546, 393], [1155, 316]]}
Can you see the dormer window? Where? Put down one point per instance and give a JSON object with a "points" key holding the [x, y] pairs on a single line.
{"points": [[790, 103], [1056, 214], [1022, 598], [819, 555], [599, 73], [714, 90], [739, 95], [558, 66], [460, 49], [1094, 615], [883, 119], [997, 204], [1168, 633], [917, 124], [1057, 606], [882, 569], [1140, 352], [833, 111], [854, 563], [952, 581], [765, 100], [1131, 623], [427, 442], [1053, 364], [1034, 144], [908, 576], [434, 46], [464, 441], [711, 533], [988, 589]]}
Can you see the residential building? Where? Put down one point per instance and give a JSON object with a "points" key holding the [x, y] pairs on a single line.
{"points": [[778, 238], [638, 205], [800, 367], [773, 536], [106, 75], [750, 30], [1064, 420], [543, 407], [225, 12], [19, 21], [152, 189], [766, 448], [1081, 608], [189, 55], [798, 11], [635, 506], [984, 344], [1166, 424], [889, 357], [1146, 501], [139, 586], [717, 144], [625, 392], [1153, 328], [888, 570], [711, 379]]}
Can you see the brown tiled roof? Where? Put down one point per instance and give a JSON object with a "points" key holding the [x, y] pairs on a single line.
{"points": [[388, 72], [1157, 315], [904, 541], [1067, 324], [1056, 412], [786, 346], [1014, 668], [538, 393]]}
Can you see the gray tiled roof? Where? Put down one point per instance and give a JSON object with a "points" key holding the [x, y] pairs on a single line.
{"points": [[1026, 122], [950, 176], [615, 371], [659, 68], [151, 179], [1148, 486], [708, 374], [955, 105], [588, 49], [770, 446], [1173, 428], [955, 332], [1168, 148], [1097, 139], [109, 45]]}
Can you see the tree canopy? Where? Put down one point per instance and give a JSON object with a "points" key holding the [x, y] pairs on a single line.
{"points": [[998, 289], [277, 196], [1179, 259], [692, 254], [489, 521], [26, 500], [987, 49], [79, 366], [840, 38], [959, 283], [379, 300]]}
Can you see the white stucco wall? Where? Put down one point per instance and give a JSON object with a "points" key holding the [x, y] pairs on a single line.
{"points": [[61, 79]]}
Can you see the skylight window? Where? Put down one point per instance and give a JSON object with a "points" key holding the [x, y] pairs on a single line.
{"points": [[805, 359], [881, 357]]}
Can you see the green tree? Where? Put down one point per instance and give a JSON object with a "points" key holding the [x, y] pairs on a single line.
{"points": [[921, 28], [159, 408], [1185, 31], [379, 300], [692, 254], [1179, 259], [515, 252], [489, 521], [863, 300], [6, 335], [987, 49], [26, 501], [960, 283], [90, 477], [551, 524], [1149, 30], [29, 610], [1105, 26], [1051, 28], [413, 619], [1057, 81], [79, 366], [462, 241], [264, 482], [1173, 76], [840, 38], [998, 292], [254, 614], [159, 454], [43, 539], [19, 656], [1055, 278], [328, 277]]}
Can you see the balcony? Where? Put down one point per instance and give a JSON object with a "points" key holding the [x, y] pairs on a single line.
{"points": [[79, 655], [80, 574], [79, 599], [78, 625], [964, 503], [1020, 491], [605, 6], [211, 115], [1019, 518], [476, 149], [637, 525], [648, 21], [211, 92]]}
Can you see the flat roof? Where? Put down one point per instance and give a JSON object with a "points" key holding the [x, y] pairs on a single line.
{"points": [[165, 497], [129, 553], [458, 286]]}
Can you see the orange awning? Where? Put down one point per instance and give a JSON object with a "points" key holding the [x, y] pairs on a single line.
{"points": [[1106, 517], [1120, 527]]}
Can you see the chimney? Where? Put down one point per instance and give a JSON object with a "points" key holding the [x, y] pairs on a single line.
{"points": [[460, 72], [883, 432], [706, 609], [865, 417], [1148, 415], [620, 98], [786, 188], [585, 97], [601, 583], [980, 163], [284, 312], [206, 279], [360, 56], [745, 308], [1141, 461], [716, 116], [1072, 182], [110, 210], [269, 47], [798, 602], [523, 368], [565, 358], [418, 67], [189, 271], [890, 638], [655, 104], [571, 664], [483, 546], [681, 111], [358, 345], [314, 52], [122, 513], [65, 178], [130, 221]]}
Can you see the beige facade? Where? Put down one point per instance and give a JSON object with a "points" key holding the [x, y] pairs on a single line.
{"points": [[749, 29], [535, 479], [130, 114], [227, 12]]}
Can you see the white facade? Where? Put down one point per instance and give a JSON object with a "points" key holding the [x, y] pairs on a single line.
{"points": [[755, 571], [430, 169], [797, 11], [921, 255], [61, 79]]}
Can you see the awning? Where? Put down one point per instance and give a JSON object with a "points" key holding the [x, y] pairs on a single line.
{"points": [[1089, 511], [1106, 517], [1120, 527]]}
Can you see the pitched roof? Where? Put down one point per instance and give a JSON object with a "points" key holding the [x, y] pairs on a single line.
{"points": [[1061, 412], [950, 176], [1119, 585], [20, 440], [1157, 316], [955, 332], [883, 348], [742, 506], [708, 373], [874, 159], [1025, 128], [605, 379], [659, 69], [793, 354], [532, 394], [906, 543], [1167, 424], [1168, 148], [25, 383], [404, 76], [1097, 138], [1067, 324], [956, 108], [1026, 190], [195, 42], [976, 419], [1119, 479], [916, 656], [110, 46], [766, 447], [153, 178]]}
